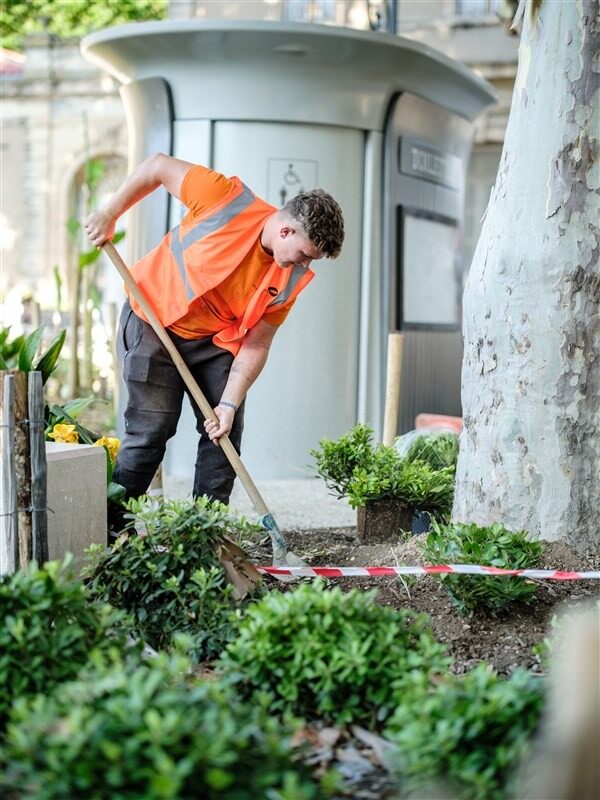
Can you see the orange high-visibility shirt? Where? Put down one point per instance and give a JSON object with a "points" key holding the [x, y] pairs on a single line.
{"points": [[201, 189]]}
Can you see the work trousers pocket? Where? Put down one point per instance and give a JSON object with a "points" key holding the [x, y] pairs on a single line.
{"points": [[152, 380]]}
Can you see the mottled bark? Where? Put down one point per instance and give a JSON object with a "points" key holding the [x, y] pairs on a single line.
{"points": [[23, 469], [530, 449]]}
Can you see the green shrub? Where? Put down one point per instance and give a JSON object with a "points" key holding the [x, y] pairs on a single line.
{"points": [[169, 579], [415, 484], [471, 730], [337, 460], [439, 450], [48, 626], [328, 654], [141, 732], [354, 467], [492, 546]]}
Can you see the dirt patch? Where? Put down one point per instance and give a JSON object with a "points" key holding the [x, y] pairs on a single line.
{"points": [[505, 641]]}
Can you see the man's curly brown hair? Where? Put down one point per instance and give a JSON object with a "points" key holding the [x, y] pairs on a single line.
{"points": [[321, 218]]}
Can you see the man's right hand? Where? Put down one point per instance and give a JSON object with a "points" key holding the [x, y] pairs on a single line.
{"points": [[225, 416], [100, 227]]}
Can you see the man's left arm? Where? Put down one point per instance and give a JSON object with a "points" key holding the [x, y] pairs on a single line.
{"points": [[245, 369]]}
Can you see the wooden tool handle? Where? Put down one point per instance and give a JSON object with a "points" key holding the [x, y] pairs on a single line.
{"points": [[392, 388], [187, 377]]}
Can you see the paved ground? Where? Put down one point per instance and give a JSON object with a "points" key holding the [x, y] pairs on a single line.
{"points": [[295, 504]]}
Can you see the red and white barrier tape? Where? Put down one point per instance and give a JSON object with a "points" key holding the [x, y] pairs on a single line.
{"points": [[438, 569]]}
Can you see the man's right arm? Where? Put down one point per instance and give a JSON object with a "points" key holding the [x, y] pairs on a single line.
{"points": [[158, 170]]}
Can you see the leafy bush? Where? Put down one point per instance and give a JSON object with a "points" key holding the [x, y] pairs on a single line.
{"points": [[492, 546], [439, 450], [472, 730], [325, 653], [48, 626], [415, 484], [355, 468], [169, 578], [338, 460], [141, 732]]}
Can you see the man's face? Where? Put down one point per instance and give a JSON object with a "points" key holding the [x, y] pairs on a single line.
{"points": [[293, 246]]}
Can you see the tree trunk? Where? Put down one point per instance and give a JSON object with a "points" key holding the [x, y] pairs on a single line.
{"points": [[530, 448]]}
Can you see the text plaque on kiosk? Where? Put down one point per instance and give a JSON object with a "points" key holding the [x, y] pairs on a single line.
{"points": [[428, 272]]}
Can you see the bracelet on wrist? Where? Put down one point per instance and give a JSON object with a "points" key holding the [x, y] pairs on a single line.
{"points": [[227, 404]]}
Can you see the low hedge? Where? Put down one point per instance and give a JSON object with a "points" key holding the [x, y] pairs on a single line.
{"points": [[169, 579], [322, 653], [48, 627], [141, 731], [492, 546], [468, 731]]}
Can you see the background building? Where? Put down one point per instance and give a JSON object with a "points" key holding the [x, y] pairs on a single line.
{"points": [[59, 111]]}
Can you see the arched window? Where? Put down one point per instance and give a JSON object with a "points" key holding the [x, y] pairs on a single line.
{"points": [[94, 288]]}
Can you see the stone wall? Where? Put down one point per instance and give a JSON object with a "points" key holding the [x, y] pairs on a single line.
{"points": [[57, 112]]}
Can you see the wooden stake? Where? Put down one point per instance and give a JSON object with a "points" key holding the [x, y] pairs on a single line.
{"points": [[113, 316], [8, 482], [39, 470], [392, 387], [23, 469]]}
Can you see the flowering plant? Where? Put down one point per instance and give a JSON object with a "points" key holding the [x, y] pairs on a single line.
{"points": [[68, 434], [111, 444], [64, 433], [72, 432]]}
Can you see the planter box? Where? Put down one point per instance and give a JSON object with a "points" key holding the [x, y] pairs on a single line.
{"points": [[76, 499], [383, 520], [421, 522]]}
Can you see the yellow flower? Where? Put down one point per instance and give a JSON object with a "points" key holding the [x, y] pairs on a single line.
{"points": [[64, 433], [112, 444]]}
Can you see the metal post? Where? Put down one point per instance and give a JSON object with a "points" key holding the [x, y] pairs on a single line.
{"points": [[392, 17]]}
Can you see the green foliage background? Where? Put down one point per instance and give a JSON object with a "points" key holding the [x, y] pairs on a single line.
{"points": [[66, 18]]}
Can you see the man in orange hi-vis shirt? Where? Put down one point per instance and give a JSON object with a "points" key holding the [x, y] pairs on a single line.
{"points": [[221, 283]]}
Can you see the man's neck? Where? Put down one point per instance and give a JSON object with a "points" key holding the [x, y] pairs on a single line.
{"points": [[268, 232]]}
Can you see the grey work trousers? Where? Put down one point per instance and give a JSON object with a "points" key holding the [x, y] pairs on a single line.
{"points": [[155, 395]]}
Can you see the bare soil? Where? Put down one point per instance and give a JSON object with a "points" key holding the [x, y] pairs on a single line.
{"points": [[504, 641]]}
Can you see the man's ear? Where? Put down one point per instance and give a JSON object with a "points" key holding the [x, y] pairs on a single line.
{"points": [[285, 231]]}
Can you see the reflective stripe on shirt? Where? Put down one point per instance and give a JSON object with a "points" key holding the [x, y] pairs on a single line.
{"points": [[297, 271], [204, 228]]}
